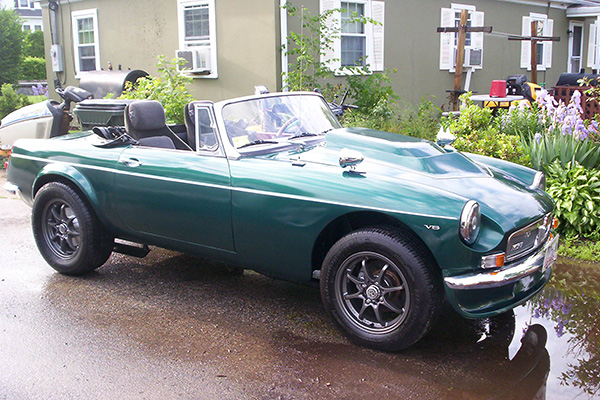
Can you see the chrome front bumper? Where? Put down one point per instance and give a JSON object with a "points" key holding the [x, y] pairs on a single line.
{"points": [[511, 273]]}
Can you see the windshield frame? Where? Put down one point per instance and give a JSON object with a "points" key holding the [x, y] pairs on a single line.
{"points": [[265, 148]]}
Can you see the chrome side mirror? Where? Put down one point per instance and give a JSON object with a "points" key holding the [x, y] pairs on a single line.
{"points": [[350, 158], [444, 137]]}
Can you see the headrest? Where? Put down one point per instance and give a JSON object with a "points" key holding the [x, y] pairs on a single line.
{"points": [[146, 115]]}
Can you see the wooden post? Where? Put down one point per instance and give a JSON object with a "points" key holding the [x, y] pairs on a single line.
{"points": [[534, 43], [460, 57]]}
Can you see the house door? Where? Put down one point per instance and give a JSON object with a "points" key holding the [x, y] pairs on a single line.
{"points": [[575, 46]]}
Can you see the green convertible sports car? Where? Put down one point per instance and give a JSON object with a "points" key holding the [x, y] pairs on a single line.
{"points": [[390, 226]]}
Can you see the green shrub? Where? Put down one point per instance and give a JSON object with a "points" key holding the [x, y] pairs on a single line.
{"points": [[477, 131], [576, 191], [10, 100], [418, 121], [33, 69], [370, 91], [169, 89], [422, 121]]}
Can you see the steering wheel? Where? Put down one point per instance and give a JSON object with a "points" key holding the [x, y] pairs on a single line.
{"points": [[287, 124]]}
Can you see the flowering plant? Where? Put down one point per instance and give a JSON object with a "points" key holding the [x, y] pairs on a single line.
{"points": [[567, 137], [40, 90]]}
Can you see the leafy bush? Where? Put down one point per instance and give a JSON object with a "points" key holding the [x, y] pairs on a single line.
{"points": [[477, 131], [576, 191], [10, 100], [33, 69], [169, 89], [420, 121], [370, 91]]}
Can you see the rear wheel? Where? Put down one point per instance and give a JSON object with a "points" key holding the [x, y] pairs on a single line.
{"points": [[68, 234], [381, 289]]}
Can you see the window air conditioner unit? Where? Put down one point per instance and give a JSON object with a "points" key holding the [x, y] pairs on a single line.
{"points": [[197, 60], [473, 58]]}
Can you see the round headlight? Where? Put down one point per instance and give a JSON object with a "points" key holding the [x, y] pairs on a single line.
{"points": [[470, 221]]}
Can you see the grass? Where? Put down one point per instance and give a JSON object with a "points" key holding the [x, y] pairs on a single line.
{"points": [[580, 249], [37, 99]]}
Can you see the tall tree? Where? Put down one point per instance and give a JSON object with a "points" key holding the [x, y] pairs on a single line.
{"points": [[11, 43]]}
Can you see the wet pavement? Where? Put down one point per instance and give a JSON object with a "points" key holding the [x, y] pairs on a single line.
{"points": [[172, 326]]}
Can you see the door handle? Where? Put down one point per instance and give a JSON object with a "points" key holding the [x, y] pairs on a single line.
{"points": [[130, 162]]}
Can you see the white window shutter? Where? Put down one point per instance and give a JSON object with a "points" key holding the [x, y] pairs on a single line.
{"points": [[477, 37], [591, 59], [447, 40], [378, 14], [332, 57], [526, 44], [548, 30]]}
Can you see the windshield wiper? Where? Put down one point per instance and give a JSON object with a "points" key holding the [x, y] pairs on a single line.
{"points": [[307, 134], [260, 141]]}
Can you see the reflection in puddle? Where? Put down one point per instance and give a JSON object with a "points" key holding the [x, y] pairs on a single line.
{"points": [[569, 310], [204, 321]]}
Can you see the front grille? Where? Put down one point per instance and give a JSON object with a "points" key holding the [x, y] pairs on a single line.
{"points": [[529, 238]]}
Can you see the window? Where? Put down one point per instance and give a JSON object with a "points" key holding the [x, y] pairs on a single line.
{"points": [[205, 131], [24, 4], [449, 41], [197, 37], [85, 40], [26, 28], [353, 36], [544, 49], [358, 43], [575, 46]]}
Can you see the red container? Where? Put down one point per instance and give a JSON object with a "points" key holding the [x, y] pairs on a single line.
{"points": [[498, 89]]}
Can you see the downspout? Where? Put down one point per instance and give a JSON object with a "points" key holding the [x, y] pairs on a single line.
{"points": [[53, 7], [283, 20]]}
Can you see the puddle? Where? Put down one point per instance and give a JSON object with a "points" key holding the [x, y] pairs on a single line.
{"points": [[568, 309]]}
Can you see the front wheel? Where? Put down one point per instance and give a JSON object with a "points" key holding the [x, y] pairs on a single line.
{"points": [[380, 287], [67, 233]]}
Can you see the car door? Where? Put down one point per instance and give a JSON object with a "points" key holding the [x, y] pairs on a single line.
{"points": [[177, 196]]}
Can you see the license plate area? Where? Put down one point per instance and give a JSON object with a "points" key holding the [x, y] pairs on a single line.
{"points": [[551, 253]]}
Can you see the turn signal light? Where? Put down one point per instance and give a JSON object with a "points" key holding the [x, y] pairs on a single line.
{"points": [[554, 223], [493, 261]]}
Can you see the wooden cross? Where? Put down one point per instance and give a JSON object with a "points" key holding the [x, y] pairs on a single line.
{"points": [[462, 30], [534, 38]]}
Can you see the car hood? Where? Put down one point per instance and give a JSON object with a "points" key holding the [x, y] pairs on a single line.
{"points": [[388, 156]]}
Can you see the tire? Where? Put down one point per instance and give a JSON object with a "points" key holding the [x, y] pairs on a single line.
{"points": [[381, 289], [67, 232]]}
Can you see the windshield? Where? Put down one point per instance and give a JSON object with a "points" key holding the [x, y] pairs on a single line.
{"points": [[277, 119]]}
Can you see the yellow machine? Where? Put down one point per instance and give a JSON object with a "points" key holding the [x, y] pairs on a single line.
{"points": [[517, 85]]}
